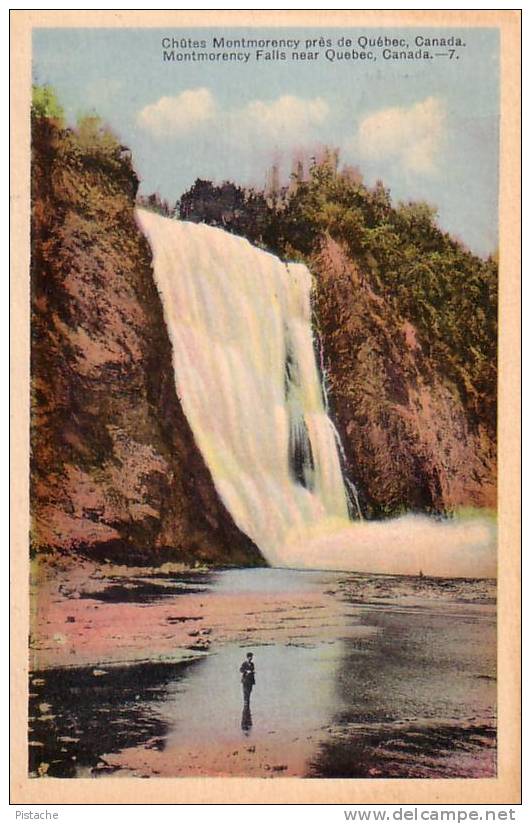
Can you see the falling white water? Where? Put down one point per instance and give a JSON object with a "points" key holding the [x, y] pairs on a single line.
{"points": [[245, 371]]}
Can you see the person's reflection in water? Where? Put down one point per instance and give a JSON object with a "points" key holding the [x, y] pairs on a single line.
{"points": [[247, 719], [248, 681]]}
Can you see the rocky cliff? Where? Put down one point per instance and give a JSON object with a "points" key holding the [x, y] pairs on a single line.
{"points": [[406, 318], [115, 472], [408, 441]]}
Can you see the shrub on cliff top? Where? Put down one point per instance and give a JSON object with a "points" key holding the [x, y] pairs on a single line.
{"points": [[90, 143], [44, 103]]}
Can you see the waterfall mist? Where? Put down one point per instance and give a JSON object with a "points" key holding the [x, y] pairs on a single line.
{"points": [[246, 375]]}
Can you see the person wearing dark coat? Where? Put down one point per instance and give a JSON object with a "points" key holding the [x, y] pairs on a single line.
{"points": [[248, 681]]}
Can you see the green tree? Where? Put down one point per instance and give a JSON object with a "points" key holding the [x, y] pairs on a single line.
{"points": [[44, 103]]}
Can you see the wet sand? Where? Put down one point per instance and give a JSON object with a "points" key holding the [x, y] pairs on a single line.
{"points": [[135, 673]]}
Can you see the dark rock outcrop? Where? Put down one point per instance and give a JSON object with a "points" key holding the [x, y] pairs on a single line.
{"points": [[115, 471], [408, 441]]}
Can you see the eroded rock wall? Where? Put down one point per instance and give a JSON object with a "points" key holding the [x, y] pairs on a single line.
{"points": [[408, 441], [115, 471]]}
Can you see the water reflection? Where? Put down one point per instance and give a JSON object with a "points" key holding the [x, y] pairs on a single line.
{"points": [[379, 677], [205, 711], [247, 718], [405, 708], [76, 715]]}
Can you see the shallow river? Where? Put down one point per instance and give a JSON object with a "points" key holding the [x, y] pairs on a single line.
{"points": [[356, 676]]}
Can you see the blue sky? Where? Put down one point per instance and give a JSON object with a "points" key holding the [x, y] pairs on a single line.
{"points": [[429, 129]]}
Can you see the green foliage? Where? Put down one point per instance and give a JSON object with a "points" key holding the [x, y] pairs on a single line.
{"points": [[92, 134], [44, 103], [92, 142]]}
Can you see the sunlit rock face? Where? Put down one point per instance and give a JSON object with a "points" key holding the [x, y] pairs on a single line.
{"points": [[409, 439], [240, 324], [115, 471]]}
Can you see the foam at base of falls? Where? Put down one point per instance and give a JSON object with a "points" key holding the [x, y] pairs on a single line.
{"points": [[245, 372], [456, 548]]}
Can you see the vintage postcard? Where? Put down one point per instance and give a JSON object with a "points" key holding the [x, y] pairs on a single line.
{"points": [[266, 491]]}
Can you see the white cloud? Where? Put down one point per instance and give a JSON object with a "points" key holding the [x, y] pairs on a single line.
{"points": [[413, 135], [285, 122], [179, 115], [288, 120]]}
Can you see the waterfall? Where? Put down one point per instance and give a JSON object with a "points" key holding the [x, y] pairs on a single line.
{"points": [[240, 325], [245, 371]]}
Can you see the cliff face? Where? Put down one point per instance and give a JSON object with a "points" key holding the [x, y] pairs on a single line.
{"points": [[115, 471], [408, 441]]}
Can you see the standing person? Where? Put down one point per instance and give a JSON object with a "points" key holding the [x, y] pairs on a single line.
{"points": [[247, 671]]}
